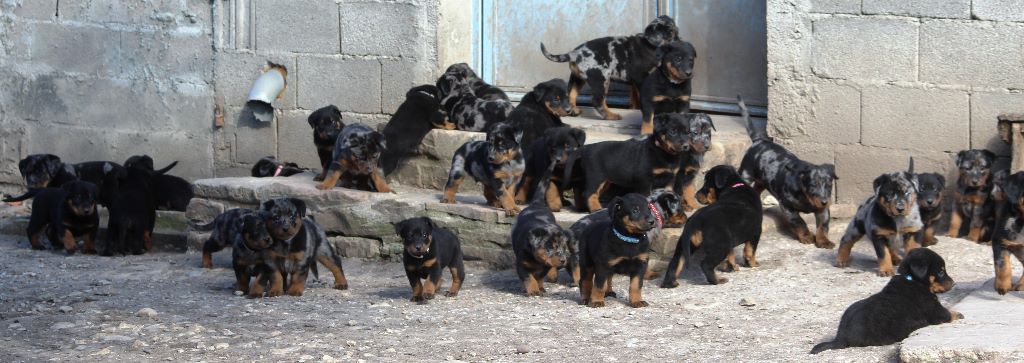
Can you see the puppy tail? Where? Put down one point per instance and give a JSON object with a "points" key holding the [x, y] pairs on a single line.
{"points": [[821, 347], [29, 194], [756, 132], [202, 227], [910, 169], [166, 168], [560, 58]]}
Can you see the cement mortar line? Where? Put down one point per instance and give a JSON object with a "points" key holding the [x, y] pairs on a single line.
{"points": [[817, 16], [860, 82]]}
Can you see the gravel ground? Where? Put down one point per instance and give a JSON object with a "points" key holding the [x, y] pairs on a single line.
{"points": [[89, 308]]}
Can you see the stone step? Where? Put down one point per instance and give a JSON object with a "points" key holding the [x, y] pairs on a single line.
{"points": [[169, 234]]}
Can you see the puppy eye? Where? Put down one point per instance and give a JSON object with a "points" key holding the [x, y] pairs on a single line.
{"points": [[672, 132]]}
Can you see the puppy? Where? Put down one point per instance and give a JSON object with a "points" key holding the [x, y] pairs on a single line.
{"points": [[558, 147], [356, 160], [428, 250], [327, 124], [732, 217], [223, 230], [249, 242], [890, 218], [998, 194], [497, 163], [1009, 234], [624, 59], [971, 201], [667, 88], [539, 110], [146, 163], [692, 159], [45, 171], [414, 118], [540, 245], [132, 215], [64, 214], [799, 186], [105, 174], [268, 166], [905, 304], [466, 110], [616, 246], [298, 244], [641, 164], [462, 73], [929, 201], [171, 192]]}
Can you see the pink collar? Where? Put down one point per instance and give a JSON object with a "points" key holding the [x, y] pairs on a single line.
{"points": [[657, 214], [278, 171], [737, 185]]}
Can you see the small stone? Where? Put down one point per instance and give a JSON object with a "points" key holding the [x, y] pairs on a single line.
{"points": [[350, 343], [101, 283], [353, 323], [305, 357], [747, 302], [698, 324], [62, 325], [65, 309], [146, 313], [138, 344], [522, 349], [220, 346], [239, 293], [329, 359], [15, 326], [117, 338]]}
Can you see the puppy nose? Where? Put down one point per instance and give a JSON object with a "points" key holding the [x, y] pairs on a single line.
{"points": [[689, 72], [900, 208]]}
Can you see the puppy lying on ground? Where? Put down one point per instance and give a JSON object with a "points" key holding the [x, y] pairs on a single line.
{"points": [[616, 246], [972, 200], [559, 146], [414, 118], [1009, 234], [624, 59], [65, 214], [667, 88], [268, 166], [428, 250], [539, 110], [539, 243], [732, 217], [327, 124], [905, 304], [462, 74], [497, 163], [356, 160]]}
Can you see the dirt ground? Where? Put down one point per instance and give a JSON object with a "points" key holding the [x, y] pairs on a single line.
{"points": [[87, 308]]}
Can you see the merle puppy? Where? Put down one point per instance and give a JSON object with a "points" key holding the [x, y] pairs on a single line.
{"points": [[905, 304], [972, 200], [223, 230], [356, 160], [497, 163], [1009, 234], [64, 214], [799, 186], [414, 118], [539, 110], [268, 166], [327, 124], [624, 59], [462, 74], [559, 147], [540, 245], [692, 158], [617, 246], [668, 88], [429, 249], [249, 240], [466, 110], [929, 201]]}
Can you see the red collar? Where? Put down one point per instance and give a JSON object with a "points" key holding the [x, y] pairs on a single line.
{"points": [[278, 171], [737, 185], [657, 214]]}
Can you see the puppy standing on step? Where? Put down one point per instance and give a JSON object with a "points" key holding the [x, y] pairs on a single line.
{"points": [[732, 217], [905, 304], [1009, 234], [540, 110], [972, 201], [430, 248], [132, 215], [667, 88], [327, 124], [600, 61], [890, 218], [799, 186], [420, 113], [619, 245], [559, 146], [356, 160], [497, 163]]}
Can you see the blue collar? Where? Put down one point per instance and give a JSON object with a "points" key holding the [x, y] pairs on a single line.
{"points": [[625, 238], [909, 278]]}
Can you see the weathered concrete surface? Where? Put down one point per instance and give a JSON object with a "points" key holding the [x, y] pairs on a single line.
{"points": [[990, 331]]}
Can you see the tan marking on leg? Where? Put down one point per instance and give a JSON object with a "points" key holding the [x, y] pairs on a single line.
{"points": [[417, 291], [449, 193], [147, 240], [69, 241], [597, 295], [276, 284], [894, 255], [553, 198], [340, 282], [297, 285], [207, 260], [697, 238], [507, 204], [552, 275], [689, 194], [453, 290], [428, 288], [88, 245], [821, 236], [607, 111], [379, 182], [594, 202], [635, 299], [330, 180], [34, 240], [974, 234], [748, 255], [929, 236], [586, 285], [256, 287], [843, 254], [647, 125], [955, 219], [523, 190], [885, 263]]}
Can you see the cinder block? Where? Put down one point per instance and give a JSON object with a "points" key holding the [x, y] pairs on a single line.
{"points": [[300, 26], [957, 9], [835, 6], [351, 84], [865, 48], [365, 31], [33, 9], [998, 10], [857, 167], [399, 77], [835, 116], [234, 74], [812, 152], [252, 139], [165, 56], [295, 139], [68, 48], [918, 119], [985, 107], [972, 53]]}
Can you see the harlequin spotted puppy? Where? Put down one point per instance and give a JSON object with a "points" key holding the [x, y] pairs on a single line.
{"points": [[248, 246], [623, 59], [356, 160], [558, 147], [617, 246], [298, 244], [731, 218], [1009, 234], [929, 201], [468, 111], [890, 218], [461, 73], [692, 159], [64, 214], [540, 110], [415, 117], [497, 163], [907, 303], [540, 245], [269, 166], [972, 202], [667, 88], [428, 250], [223, 230], [799, 186], [327, 124]]}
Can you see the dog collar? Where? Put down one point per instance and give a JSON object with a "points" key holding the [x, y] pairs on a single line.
{"points": [[278, 171], [420, 257], [737, 185], [657, 214], [909, 278], [625, 238]]}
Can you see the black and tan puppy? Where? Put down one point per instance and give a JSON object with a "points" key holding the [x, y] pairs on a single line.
{"points": [[641, 165], [429, 249], [624, 59], [468, 111], [463, 74], [299, 243], [64, 214], [106, 175], [171, 192], [132, 215], [327, 124], [799, 186], [356, 160], [45, 171], [929, 201], [540, 245], [1009, 234], [890, 218], [905, 304], [497, 163], [249, 242], [420, 113], [667, 88], [972, 202], [731, 218], [539, 110], [146, 163], [223, 230], [268, 166], [559, 146], [618, 246]]}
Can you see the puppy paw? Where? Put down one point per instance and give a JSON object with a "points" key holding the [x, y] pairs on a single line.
{"points": [[610, 293], [639, 304], [91, 251], [1002, 290], [670, 284], [254, 295], [428, 296], [341, 286], [885, 272], [511, 212], [294, 292], [718, 281], [956, 315], [825, 244], [274, 293], [451, 293], [38, 248], [596, 304], [806, 238], [417, 299], [612, 116], [318, 178], [448, 200], [842, 263], [585, 302], [575, 111], [533, 293], [751, 263]]}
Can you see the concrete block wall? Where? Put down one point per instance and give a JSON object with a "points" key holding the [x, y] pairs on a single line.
{"points": [[866, 84]]}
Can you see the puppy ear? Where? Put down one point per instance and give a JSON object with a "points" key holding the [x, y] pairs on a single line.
{"points": [[942, 179], [831, 169], [960, 157], [22, 165], [300, 205], [519, 137], [915, 267], [539, 91], [659, 52], [617, 204], [722, 178], [268, 205], [380, 140], [400, 228], [53, 164], [579, 135], [712, 123], [430, 222], [990, 156], [877, 184]]}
